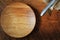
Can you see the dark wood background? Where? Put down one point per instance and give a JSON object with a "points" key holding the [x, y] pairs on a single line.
{"points": [[47, 27]]}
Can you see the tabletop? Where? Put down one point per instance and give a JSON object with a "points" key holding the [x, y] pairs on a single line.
{"points": [[47, 27]]}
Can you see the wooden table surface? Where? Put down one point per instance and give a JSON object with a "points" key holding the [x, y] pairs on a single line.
{"points": [[47, 27]]}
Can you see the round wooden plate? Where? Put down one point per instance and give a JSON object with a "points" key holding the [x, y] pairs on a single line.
{"points": [[18, 20]]}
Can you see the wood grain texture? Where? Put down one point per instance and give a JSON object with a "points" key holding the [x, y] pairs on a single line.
{"points": [[18, 20], [47, 27]]}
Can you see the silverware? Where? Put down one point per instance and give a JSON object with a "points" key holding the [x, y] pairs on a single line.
{"points": [[47, 7]]}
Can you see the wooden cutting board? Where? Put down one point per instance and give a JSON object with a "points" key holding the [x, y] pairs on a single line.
{"points": [[47, 26]]}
